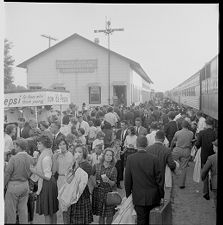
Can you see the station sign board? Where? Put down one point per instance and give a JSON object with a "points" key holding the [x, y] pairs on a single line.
{"points": [[36, 98]]}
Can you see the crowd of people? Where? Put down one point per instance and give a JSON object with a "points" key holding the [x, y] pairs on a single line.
{"points": [[70, 167]]}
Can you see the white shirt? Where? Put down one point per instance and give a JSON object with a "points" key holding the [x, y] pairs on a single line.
{"points": [[47, 165], [8, 143], [201, 124], [130, 140], [65, 129], [92, 132], [151, 139], [83, 125], [178, 116]]}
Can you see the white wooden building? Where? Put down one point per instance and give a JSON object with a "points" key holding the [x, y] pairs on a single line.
{"points": [[80, 66]]}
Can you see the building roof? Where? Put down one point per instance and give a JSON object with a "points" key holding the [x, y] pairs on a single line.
{"points": [[134, 65]]}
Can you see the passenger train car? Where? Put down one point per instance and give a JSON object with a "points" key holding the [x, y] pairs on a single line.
{"points": [[200, 91]]}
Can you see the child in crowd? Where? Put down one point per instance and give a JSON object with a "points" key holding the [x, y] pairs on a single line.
{"points": [[81, 135], [97, 155], [118, 165], [99, 140], [35, 178], [92, 134]]}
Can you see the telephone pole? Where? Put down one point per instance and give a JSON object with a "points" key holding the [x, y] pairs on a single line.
{"points": [[108, 31], [49, 37]]}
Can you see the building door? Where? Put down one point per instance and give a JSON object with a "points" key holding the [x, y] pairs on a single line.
{"points": [[119, 94]]}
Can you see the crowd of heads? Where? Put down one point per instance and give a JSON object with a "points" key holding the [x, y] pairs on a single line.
{"points": [[153, 115]]}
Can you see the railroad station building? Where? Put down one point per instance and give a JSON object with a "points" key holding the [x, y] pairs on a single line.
{"points": [[80, 66]]}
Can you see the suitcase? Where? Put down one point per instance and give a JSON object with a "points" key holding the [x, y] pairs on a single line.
{"points": [[162, 215]]}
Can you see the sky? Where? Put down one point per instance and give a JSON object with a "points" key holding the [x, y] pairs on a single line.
{"points": [[170, 41]]}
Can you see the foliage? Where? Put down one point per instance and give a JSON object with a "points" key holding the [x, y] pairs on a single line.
{"points": [[8, 64]]}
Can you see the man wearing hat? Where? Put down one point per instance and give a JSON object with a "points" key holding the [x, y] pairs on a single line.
{"points": [[211, 165], [204, 141]]}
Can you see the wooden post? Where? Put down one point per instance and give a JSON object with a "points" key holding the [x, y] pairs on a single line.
{"points": [[36, 112], [61, 118]]}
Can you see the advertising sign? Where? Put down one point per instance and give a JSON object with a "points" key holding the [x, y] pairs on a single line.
{"points": [[37, 98]]}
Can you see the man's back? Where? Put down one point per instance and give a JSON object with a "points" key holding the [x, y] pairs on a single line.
{"points": [[164, 156], [18, 168], [143, 179], [204, 140], [184, 138], [170, 129]]}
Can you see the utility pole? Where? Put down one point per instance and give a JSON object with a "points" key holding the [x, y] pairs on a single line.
{"points": [[49, 37], [108, 31]]}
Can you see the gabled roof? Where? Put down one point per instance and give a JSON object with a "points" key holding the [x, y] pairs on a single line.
{"points": [[134, 65]]}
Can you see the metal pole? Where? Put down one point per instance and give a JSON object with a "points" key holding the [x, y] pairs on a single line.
{"points": [[36, 114], [108, 31], [109, 92], [61, 118]]}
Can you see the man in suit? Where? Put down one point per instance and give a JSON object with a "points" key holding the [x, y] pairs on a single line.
{"points": [[163, 154], [204, 141], [211, 165], [121, 135], [171, 127], [21, 123], [57, 135], [140, 130], [143, 179]]}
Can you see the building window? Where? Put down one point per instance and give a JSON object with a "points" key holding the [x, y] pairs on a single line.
{"points": [[94, 95]]}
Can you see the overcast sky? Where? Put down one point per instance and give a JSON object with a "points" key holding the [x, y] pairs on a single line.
{"points": [[170, 41]]}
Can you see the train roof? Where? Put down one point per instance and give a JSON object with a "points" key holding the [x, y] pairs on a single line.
{"points": [[196, 74]]}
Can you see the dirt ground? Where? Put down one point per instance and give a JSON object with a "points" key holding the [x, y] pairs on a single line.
{"points": [[188, 207]]}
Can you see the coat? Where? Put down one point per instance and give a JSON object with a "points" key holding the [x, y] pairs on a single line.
{"points": [[142, 131], [204, 141], [170, 129], [143, 179], [211, 165], [165, 157]]}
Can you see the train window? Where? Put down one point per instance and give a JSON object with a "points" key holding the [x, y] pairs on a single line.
{"points": [[208, 71], [202, 74]]}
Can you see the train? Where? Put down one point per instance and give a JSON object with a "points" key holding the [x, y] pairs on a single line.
{"points": [[199, 91]]}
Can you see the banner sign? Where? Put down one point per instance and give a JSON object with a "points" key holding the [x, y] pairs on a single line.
{"points": [[77, 66], [37, 98]]}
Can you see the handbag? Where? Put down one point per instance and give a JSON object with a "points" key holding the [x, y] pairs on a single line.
{"points": [[113, 198]]}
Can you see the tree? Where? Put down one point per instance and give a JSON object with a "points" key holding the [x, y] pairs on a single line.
{"points": [[8, 64]]}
